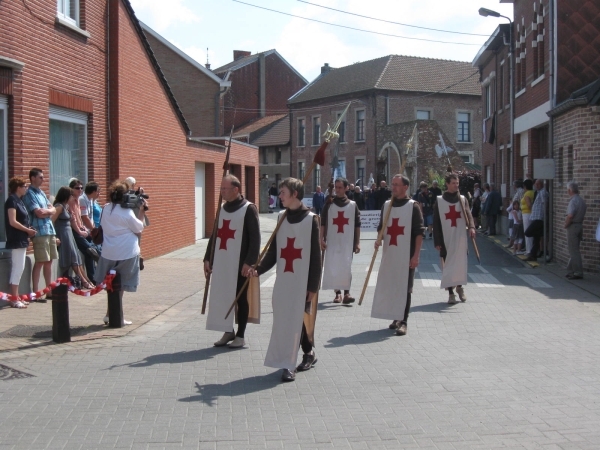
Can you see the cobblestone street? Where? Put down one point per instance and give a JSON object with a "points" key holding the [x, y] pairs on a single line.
{"points": [[516, 366]]}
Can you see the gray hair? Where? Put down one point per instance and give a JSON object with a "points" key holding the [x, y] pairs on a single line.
{"points": [[573, 187]]}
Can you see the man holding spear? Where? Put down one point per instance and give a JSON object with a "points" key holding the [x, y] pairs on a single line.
{"points": [[237, 244], [401, 251], [450, 219]]}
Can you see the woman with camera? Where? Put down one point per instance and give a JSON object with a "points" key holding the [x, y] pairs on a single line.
{"points": [[120, 248]]}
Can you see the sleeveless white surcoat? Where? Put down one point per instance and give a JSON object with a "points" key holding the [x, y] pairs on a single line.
{"points": [[389, 300], [337, 266]]}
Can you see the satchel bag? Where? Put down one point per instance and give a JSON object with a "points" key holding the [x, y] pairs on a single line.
{"points": [[97, 233]]}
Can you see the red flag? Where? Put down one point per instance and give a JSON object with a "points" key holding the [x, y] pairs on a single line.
{"points": [[320, 155]]}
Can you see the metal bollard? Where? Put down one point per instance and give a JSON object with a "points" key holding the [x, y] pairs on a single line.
{"points": [[61, 328], [115, 305]]}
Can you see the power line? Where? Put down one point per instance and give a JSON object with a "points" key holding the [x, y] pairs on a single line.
{"points": [[389, 21], [353, 28]]}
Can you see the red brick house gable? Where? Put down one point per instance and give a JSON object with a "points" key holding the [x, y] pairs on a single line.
{"points": [[260, 85], [196, 88]]}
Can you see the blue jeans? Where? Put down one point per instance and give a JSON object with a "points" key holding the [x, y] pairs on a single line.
{"points": [[83, 244]]}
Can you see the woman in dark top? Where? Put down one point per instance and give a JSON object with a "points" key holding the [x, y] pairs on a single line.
{"points": [[18, 232]]}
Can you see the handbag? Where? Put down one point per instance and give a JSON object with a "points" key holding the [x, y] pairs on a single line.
{"points": [[97, 233]]}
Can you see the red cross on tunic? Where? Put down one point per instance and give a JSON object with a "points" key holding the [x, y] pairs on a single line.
{"points": [[452, 215], [289, 253], [225, 233], [340, 221], [394, 231]]}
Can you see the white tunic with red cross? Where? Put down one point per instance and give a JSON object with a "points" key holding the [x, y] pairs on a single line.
{"points": [[337, 267], [223, 281], [289, 292], [454, 225], [389, 300]]}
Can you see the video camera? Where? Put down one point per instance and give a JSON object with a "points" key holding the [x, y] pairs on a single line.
{"points": [[134, 199]]}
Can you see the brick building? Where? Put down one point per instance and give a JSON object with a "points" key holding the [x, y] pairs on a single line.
{"points": [[385, 91], [98, 107], [271, 134], [260, 86], [556, 62]]}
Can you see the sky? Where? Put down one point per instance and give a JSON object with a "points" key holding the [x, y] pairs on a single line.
{"points": [[226, 25]]}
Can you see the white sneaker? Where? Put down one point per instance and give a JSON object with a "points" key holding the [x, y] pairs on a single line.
{"points": [[106, 320], [227, 337], [452, 299], [127, 322], [238, 342]]}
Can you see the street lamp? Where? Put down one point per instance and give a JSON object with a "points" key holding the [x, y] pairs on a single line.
{"points": [[490, 13]]}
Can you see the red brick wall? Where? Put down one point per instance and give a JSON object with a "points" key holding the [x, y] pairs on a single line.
{"points": [[578, 128], [56, 58], [195, 92], [242, 101], [153, 148]]}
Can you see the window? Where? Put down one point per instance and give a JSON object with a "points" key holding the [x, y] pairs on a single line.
{"points": [[360, 125], [3, 166], [301, 170], [423, 114], [465, 158], [68, 147], [301, 132], [360, 171], [316, 177], [488, 100], [501, 83], [316, 137], [341, 128], [265, 155], [69, 11], [277, 155], [464, 129]]}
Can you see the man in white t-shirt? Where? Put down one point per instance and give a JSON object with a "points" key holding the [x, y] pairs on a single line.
{"points": [[86, 203]]}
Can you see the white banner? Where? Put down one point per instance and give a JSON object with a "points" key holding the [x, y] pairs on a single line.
{"points": [[307, 202], [369, 220]]}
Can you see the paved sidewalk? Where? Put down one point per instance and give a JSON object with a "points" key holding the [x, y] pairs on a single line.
{"points": [[516, 366], [165, 282]]}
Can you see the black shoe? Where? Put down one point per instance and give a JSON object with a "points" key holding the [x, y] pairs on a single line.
{"points": [[574, 277], [347, 299], [393, 325], [401, 330], [530, 257], [288, 375], [308, 360], [93, 253]]}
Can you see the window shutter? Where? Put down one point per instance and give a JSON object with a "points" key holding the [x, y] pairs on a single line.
{"points": [[59, 113]]}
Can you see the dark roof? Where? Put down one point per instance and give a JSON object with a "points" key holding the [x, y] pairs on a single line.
{"points": [[394, 73], [494, 42], [257, 124], [154, 62], [586, 96], [245, 60], [278, 134]]}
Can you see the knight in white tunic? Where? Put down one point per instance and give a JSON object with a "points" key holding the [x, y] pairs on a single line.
{"points": [[296, 254], [402, 242], [340, 238], [451, 219], [237, 248]]}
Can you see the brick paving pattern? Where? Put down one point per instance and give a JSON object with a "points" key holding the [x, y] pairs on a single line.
{"points": [[516, 366]]}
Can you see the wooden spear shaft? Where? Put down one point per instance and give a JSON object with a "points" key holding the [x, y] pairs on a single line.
{"points": [[379, 239]]}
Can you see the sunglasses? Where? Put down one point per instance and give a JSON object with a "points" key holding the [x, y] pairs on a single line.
{"points": [[78, 188]]}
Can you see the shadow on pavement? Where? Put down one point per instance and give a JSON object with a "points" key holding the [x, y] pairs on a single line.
{"points": [[366, 337], [202, 354], [208, 393], [442, 307]]}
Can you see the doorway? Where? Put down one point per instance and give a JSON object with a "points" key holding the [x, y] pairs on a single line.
{"points": [[199, 199]]}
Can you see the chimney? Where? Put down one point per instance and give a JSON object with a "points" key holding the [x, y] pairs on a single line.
{"points": [[237, 54], [325, 68]]}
